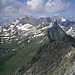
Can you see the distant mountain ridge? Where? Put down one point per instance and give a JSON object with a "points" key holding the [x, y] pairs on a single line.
{"points": [[30, 20], [65, 24], [33, 28]]}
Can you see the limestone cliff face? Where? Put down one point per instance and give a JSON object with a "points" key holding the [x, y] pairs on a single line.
{"points": [[55, 58]]}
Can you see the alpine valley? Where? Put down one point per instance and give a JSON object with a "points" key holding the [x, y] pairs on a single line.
{"points": [[44, 46]]}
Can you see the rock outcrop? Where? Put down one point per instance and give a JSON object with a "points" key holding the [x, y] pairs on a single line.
{"points": [[55, 58]]}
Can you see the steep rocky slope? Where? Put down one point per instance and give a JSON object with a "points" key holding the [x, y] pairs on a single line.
{"points": [[54, 58], [55, 32]]}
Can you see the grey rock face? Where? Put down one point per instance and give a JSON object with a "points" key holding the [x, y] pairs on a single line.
{"points": [[54, 58], [29, 20], [45, 20], [55, 33]]}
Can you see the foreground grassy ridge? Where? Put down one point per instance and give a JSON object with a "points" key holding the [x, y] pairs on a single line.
{"points": [[15, 60]]}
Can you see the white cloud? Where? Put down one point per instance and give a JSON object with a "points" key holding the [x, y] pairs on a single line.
{"points": [[56, 6], [34, 4], [5, 2], [12, 8]]}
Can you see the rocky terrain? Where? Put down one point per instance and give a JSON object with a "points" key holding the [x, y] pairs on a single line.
{"points": [[30, 46], [55, 58]]}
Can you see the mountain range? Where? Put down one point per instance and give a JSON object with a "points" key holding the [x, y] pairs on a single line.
{"points": [[44, 46]]}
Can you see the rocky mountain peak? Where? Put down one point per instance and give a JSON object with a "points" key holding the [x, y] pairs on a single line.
{"points": [[30, 20], [54, 58], [45, 20], [55, 32]]}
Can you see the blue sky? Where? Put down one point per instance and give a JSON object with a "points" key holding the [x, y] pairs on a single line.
{"points": [[22, 0], [11, 9], [70, 12]]}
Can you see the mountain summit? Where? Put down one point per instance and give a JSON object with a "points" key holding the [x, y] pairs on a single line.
{"points": [[54, 58], [55, 32], [30, 20]]}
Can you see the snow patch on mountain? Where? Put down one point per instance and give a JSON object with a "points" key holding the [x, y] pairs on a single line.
{"points": [[46, 27], [63, 20], [71, 31], [41, 41], [0, 28], [41, 34], [28, 41], [25, 27], [61, 26], [19, 42], [15, 22]]}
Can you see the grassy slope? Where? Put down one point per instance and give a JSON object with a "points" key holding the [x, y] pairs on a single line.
{"points": [[12, 61]]}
